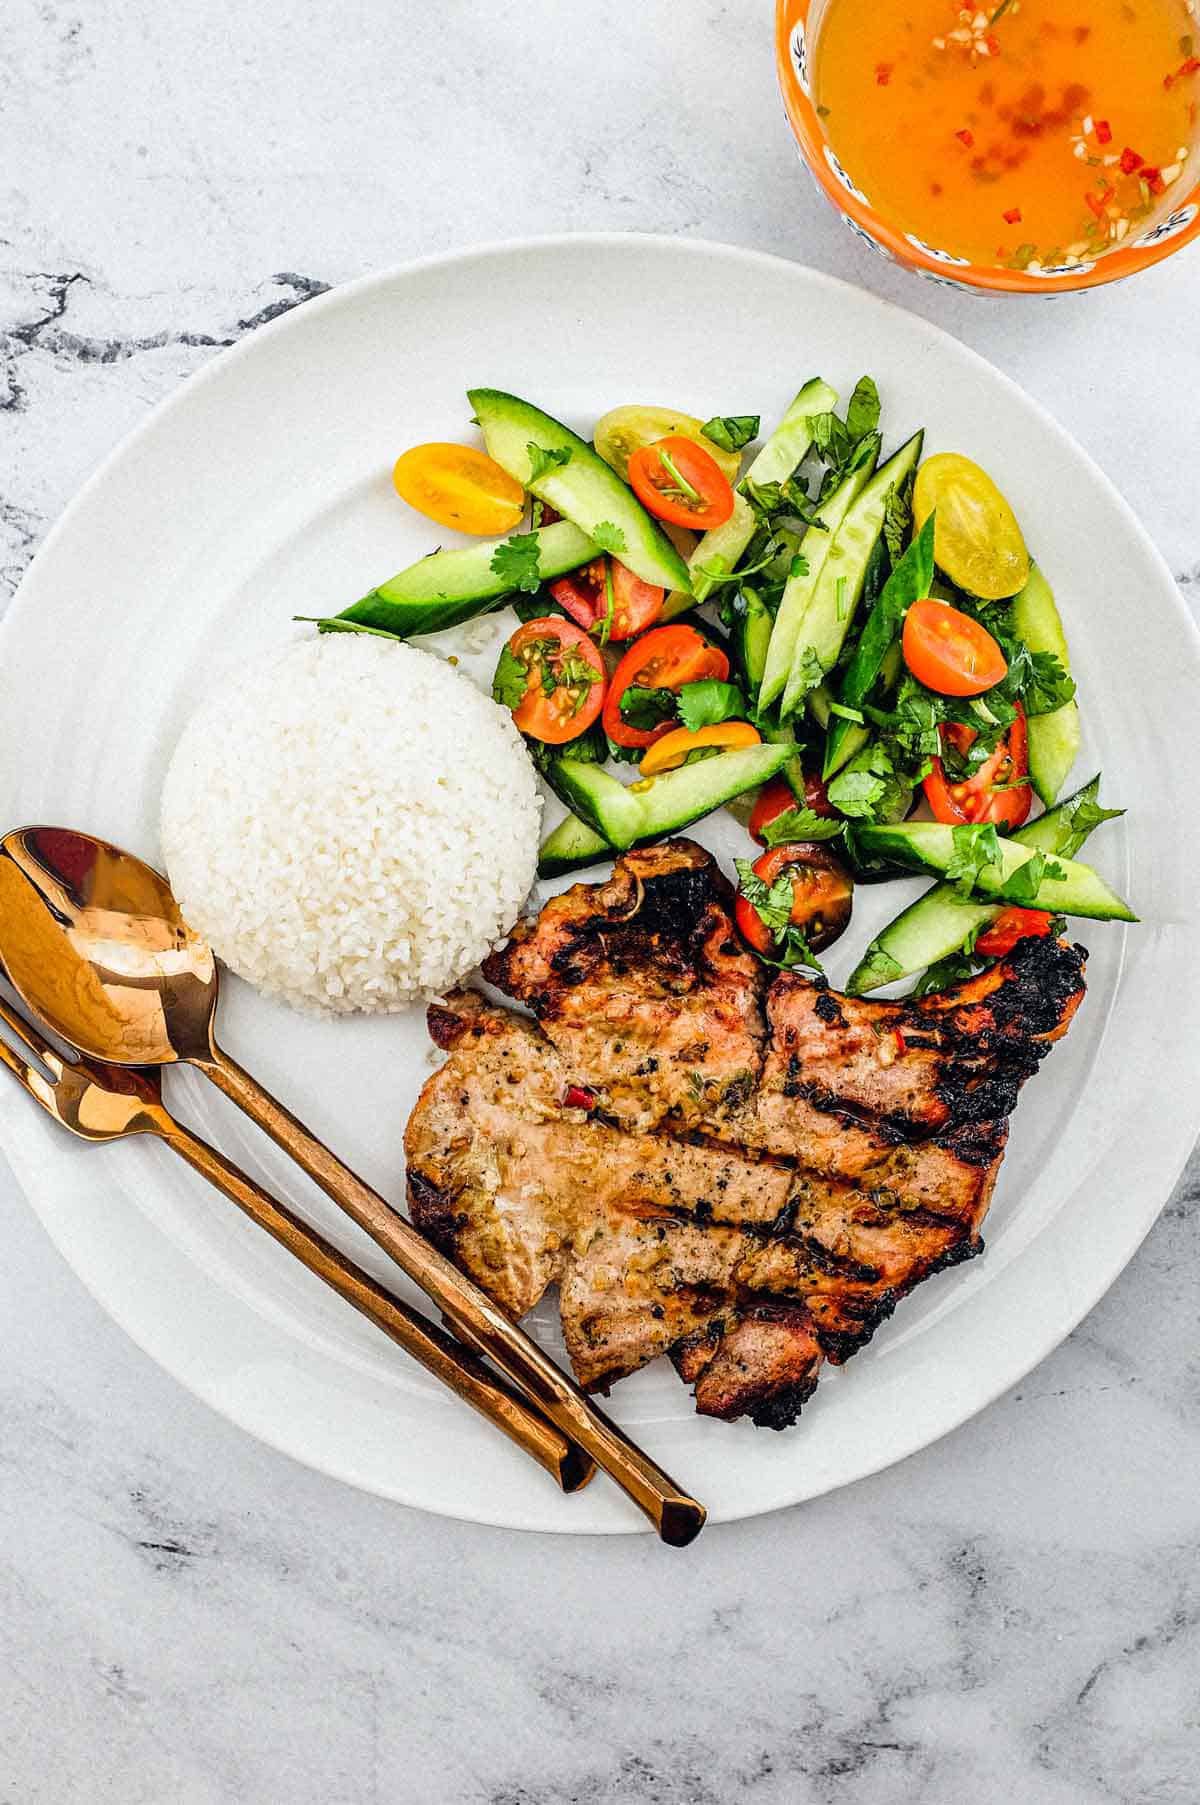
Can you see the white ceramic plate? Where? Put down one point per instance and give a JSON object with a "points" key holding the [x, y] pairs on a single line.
{"points": [[261, 491]]}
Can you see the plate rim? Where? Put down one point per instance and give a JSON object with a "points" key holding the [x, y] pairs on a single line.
{"points": [[347, 293]]}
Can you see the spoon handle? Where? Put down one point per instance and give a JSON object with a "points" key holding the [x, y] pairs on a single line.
{"points": [[476, 1318], [429, 1344]]}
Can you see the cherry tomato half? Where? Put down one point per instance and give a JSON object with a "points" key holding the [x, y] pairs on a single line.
{"points": [[987, 796], [778, 796], [1010, 926], [822, 896], [459, 487], [949, 652], [562, 651], [976, 539], [664, 658], [584, 595], [678, 481]]}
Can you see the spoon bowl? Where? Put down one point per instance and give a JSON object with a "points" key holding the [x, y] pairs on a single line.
{"points": [[95, 944]]}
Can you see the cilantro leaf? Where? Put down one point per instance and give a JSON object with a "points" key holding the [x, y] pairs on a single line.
{"points": [[794, 824], [975, 849], [897, 518], [812, 674], [515, 562], [646, 709], [870, 788], [1085, 815], [732, 432], [857, 793], [1048, 685], [608, 537], [945, 972], [798, 566], [1024, 884], [862, 412], [510, 681], [542, 462], [709, 702]]}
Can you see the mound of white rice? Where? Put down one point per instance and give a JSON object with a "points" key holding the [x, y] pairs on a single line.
{"points": [[351, 824]]}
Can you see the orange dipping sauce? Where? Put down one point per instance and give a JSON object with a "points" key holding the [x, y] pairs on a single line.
{"points": [[1035, 133]]}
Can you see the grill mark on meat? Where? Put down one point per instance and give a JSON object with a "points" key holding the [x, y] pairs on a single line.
{"points": [[766, 1171]]}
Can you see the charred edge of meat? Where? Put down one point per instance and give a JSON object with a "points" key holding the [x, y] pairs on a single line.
{"points": [[829, 1009], [783, 1407], [435, 1213], [445, 1025], [676, 903], [976, 1143], [839, 1345]]}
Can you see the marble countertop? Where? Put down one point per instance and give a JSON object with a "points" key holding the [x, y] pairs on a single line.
{"points": [[187, 1618]]}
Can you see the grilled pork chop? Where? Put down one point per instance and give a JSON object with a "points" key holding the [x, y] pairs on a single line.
{"points": [[747, 1177]]}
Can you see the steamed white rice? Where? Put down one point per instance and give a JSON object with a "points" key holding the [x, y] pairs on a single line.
{"points": [[350, 824]]}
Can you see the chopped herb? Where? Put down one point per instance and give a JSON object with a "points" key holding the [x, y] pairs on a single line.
{"points": [[794, 824], [541, 461], [646, 709], [679, 481], [847, 714], [709, 702], [1024, 884], [603, 628], [870, 788], [862, 412], [515, 562], [608, 537], [510, 681], [798, 566], [976, 848], [732, 432]]}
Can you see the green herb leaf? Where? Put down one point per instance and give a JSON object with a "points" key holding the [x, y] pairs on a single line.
{"points": [[975, 849], [1048, 685], [515, 562], [798, 566], [732, 432], [646, 709], [1024, 884], [608, 537], [541, 461], [1085, 815], [862, 412], [800, 824], [944, 973], [602, 629], [510, 681], [709, 702], [772, 903], [870, 788]]}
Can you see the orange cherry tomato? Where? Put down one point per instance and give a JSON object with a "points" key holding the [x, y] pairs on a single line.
{"points": [[1010, 926], [678, 481], [990, 794], [778, 796], [561, 650], [664, 658], [949, 652], [459, 487], [584, 595], [822, 896]]}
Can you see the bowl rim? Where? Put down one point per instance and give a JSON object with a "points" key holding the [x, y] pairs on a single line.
{"points": [[910, 252]]}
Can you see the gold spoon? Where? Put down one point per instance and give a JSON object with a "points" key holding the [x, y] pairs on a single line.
{"points": [[101, 1102], [94, 944]]}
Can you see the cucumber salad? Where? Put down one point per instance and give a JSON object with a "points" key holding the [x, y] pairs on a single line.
{"points": [[852, 652]]}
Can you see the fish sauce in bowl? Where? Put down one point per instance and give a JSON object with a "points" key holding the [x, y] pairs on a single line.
{"points": [[1030, 135]]}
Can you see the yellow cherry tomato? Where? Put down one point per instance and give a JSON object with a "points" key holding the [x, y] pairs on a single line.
{"points": [[674, 747], [976, 539], [625, 430], [459, 487]]}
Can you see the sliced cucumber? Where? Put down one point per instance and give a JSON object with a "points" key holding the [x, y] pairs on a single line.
{"points": [[787, 447], [751, 637], [625, 815], [938, 923], [817, 547], [835, 596], [450, 587], [571, 846], [929, 846], [847, 738], [1053, 738], [583, 489]]}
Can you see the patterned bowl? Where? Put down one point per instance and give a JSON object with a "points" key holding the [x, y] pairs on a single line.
{"points": [[795, 21]]}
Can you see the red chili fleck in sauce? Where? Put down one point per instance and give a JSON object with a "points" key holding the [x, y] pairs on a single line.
{"points": [[1103, 132], [575, 1097], [1131, 161], [965, 137], [1013, 216]]}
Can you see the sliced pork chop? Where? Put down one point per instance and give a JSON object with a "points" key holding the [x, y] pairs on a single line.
{"points": [[805, 1168]]}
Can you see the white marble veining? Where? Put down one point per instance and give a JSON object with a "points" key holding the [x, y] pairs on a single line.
{"points": [[187, 1618]]}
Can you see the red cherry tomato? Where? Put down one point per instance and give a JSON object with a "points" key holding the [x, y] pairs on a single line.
{"points": [[777, 796], [664, 658], [986, 796], [678, 481], [577, 695], [822, 896], [1010, 926], [949, 652], [584, 595]]}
